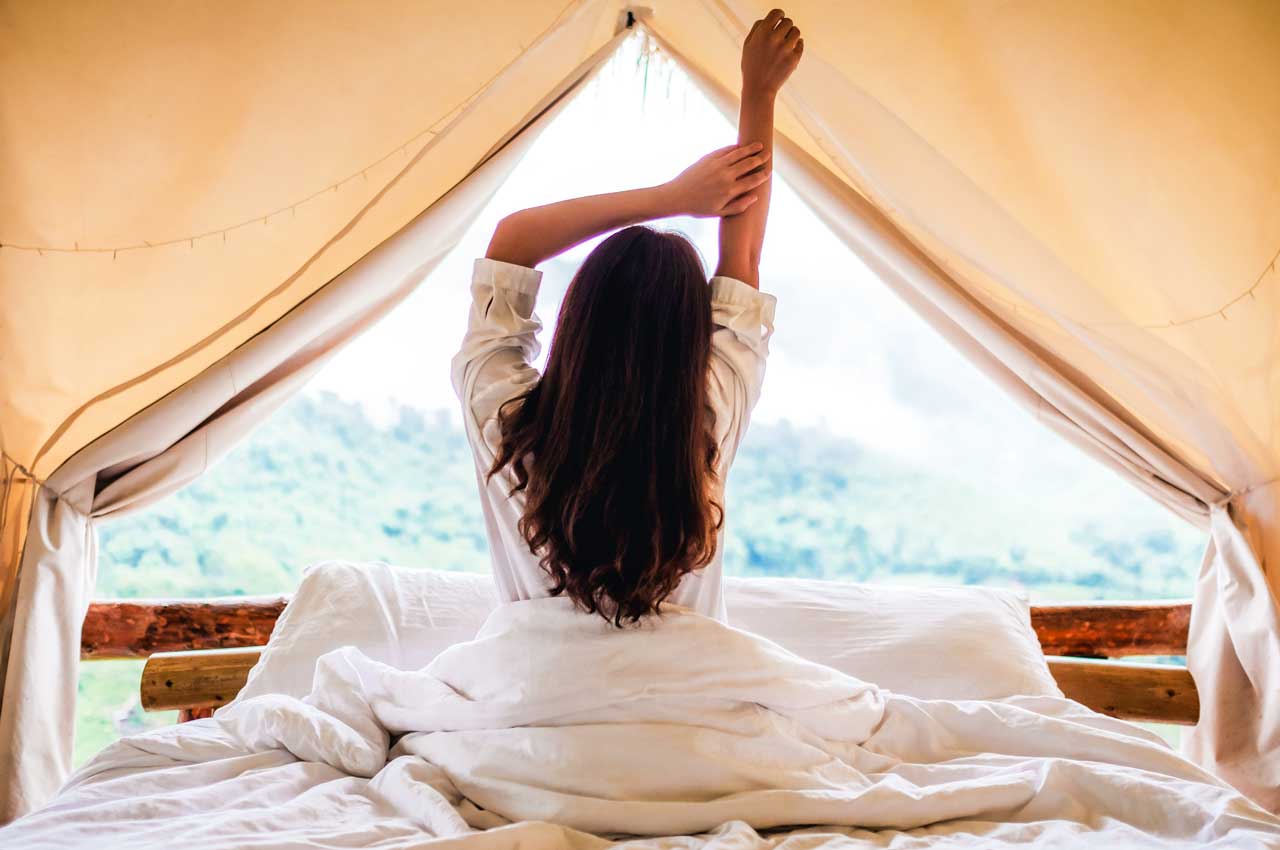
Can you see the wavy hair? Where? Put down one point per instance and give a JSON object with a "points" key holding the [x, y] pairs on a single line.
{"points": [[614, 447]]}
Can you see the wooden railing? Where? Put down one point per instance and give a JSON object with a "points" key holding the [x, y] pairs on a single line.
{"points": [[1112, 629], [139, 628], [176, 636]]}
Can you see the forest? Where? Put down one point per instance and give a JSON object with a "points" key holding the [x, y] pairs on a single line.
{"points": [[323, 479]]}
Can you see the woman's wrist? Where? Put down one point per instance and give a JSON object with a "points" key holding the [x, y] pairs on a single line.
{"points": [[759, 94], [667, 201]]}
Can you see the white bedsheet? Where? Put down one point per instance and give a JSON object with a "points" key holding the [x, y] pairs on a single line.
{"points": [[552, 728]]}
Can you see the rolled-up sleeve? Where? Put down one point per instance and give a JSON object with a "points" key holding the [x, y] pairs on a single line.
{"points": [[495, 361], [743, 323]]}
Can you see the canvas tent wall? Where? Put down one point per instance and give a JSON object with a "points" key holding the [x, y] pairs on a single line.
{"points": [[1081, 196]]}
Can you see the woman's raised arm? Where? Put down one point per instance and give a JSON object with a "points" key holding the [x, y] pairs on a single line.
{"points": [[719, 184], [771, 52]]}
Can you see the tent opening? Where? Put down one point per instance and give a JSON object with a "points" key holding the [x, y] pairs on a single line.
{"points": [[877, 454]]}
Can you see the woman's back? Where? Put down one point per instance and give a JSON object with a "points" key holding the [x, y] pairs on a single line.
{"points": [[617, 443]]}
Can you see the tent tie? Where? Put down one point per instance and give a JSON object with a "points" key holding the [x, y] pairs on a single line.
{"points": [[1225, 500]]}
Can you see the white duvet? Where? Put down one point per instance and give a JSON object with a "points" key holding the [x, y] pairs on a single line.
{"points": [[553, 729]]}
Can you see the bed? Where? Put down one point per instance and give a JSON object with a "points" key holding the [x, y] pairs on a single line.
{"points": [[550, 729]]}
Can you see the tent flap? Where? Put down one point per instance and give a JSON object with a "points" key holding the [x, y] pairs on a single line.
{"points": [[179, 177]]}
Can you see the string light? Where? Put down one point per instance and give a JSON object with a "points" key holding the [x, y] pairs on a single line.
{"points": [[1250, 293], [1221, 312], [1269, 270], [114, 250], [403, 149]]}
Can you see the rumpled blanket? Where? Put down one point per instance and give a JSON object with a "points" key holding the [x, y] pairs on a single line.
{"points": [[554, 729]]}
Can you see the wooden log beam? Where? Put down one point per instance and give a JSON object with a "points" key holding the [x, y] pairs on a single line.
{"points": [[138, 628], [195, 680], [1112, 629], [1152, 693], [1148, 692]]}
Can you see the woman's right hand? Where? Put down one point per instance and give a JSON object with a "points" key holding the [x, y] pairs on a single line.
{"points": [[720, 183], [771, 52]]}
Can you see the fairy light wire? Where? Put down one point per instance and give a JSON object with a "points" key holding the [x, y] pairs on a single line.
{"points": [[403, 149]]}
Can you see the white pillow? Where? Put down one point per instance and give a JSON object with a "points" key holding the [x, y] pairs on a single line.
{"points": [[399, 616], [929, 642]]}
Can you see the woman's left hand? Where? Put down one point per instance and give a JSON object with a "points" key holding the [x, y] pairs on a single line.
{"points": [[720, 183]]}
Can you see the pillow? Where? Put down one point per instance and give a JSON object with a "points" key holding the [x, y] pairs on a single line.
{"points": [[928, 642], [399, 616]]}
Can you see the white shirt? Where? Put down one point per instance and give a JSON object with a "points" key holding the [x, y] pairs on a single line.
{"points": [[494, 365]]}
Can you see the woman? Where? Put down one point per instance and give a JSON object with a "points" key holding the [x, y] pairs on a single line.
{"points": [[602, 479]]}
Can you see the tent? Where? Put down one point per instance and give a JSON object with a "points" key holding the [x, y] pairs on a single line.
{"points": [[201, 202]]}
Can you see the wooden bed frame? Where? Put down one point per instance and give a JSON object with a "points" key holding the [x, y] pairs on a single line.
{"points": [[199, 652]]}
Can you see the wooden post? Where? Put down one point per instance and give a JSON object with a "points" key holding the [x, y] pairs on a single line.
{"points": [[1153, 693], [191, 680]]}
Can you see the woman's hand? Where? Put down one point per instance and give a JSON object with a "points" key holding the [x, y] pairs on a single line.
{"points": [[771, 52], [720, 183]]}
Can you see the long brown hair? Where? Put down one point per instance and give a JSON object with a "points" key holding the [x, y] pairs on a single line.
{"points": [[614, 446]]}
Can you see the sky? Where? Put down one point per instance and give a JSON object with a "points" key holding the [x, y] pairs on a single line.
{"points": [[847, 355]]}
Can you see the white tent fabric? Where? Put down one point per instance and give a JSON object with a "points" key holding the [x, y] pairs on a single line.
{"points": [[177, 438], [1082, 196], [1113, 355]]}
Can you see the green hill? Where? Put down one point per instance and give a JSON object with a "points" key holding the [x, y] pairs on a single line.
{"points": [[322, 480]]}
